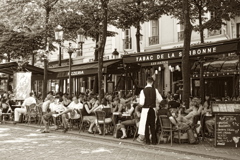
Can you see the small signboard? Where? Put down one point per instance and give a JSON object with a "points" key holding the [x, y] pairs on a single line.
{"points": [[227, 130]]}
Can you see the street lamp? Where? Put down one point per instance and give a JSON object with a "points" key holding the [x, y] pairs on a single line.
{"points": [[80, 40], [115, 53], [59, 37], [70, 51]]}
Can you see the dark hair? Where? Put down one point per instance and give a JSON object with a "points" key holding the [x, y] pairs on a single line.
{"points": [[150, 80], [31, 94], [50, 92], [60, 99], [175, 97], [104, 101]]}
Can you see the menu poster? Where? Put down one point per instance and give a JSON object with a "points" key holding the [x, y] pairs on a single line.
{"points": [[227, 132], [225, 107], [22, 85]]}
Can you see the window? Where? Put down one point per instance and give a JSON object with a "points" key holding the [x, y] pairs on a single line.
{"points": [[154, 39], [127, 39], [181, 33], [238, 30]]}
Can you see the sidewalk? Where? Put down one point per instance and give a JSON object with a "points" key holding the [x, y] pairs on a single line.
{"points": [[204, 148]]}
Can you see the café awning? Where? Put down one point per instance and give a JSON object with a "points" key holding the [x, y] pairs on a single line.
{"points": [[85, 69], [11, 67], [207, 49]]}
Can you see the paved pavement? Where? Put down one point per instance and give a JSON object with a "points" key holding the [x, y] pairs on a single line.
{"points": [[21, 142]]}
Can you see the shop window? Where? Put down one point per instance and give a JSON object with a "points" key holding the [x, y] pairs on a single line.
{"points": [[154, 39], [238, 30]]}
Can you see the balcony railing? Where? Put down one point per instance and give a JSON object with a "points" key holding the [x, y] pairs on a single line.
{"points": [[153, 40], [180, 36], [127, 43], [214, 32]]}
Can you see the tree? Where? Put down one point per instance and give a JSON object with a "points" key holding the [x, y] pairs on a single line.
{"points": [[134, 12], [186, 49]]}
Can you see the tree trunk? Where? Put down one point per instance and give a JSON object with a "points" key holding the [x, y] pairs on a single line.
{"points": [[45, 78], [104, 5], [185, 57], [138, 35], [201, 61]]}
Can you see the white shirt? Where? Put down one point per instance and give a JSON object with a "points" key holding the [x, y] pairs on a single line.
{"points": [[142, 97], [73, 105], [56, 107], [28, 101]]}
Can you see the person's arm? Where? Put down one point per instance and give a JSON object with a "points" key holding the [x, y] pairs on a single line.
{"points": [[159, 97], [141, 98], [130, 111]]}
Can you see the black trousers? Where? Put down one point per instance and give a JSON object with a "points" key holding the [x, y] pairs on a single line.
{"points": [[151, 123]]}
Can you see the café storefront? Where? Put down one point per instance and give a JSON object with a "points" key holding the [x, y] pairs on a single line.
{"points": [[85, 76], [165, 66]]}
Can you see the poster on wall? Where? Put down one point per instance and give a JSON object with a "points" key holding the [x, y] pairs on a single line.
{"points": [[22, 84]]}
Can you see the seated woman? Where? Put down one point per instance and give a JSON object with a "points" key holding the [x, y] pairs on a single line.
{"points": [[108, 119], [66, 100], [133, 121], [88, 114]]}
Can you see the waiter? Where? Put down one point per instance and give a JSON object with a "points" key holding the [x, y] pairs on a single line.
{"points": [[149, 98]]}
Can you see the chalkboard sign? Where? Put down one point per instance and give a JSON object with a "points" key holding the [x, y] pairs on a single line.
{"points": [[227, 130]]}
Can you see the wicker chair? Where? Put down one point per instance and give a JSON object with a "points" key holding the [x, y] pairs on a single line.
{"points": [[31, 113]]}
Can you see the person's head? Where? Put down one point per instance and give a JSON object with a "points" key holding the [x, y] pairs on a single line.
{"points": [[176, 97], [56, 99], [116, 101], [94, 99], [81, 96], [207, 97], [104, 102], [150, 80], [164, 104], [50, 98], [31, 94], [50, 92], [75, 100]]}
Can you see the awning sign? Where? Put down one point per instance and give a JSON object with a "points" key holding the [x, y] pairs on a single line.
{"points": [[207, 50]]}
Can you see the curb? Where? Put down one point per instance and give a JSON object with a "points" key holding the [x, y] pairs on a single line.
{"points": [[131, 142]]}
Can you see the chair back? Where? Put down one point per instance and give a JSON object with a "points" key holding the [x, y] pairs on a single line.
{"points": [[39, 109], [165, 123], [196, 118], [108, 112], [31, 110], [100, 115]]}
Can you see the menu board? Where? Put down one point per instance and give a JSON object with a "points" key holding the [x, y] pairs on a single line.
{"points": [[227, 130], [22, 84], [225, 107]]}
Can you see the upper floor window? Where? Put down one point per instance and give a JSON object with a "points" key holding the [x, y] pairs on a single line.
{"points": [[180, 33], [127, 42], [154, 39]]}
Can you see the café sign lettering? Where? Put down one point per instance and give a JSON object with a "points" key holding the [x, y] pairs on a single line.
{"points": [[74, 73], [172, 55]]}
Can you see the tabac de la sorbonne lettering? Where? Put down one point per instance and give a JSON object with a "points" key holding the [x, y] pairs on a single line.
{"points": [[193, 52]]}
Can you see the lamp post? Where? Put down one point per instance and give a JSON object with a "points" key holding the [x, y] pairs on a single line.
{"points": [[70, 51], [80, 40], [59, 37]]}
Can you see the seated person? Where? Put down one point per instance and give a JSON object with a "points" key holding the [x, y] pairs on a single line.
{"points": [[133, 121], [46, 104], [88, 114], [4, 108], [210, 124], [101, 107], [174, 104], [55, 108], [72, 112], [66, 100], [27, 102], [185, 121]]}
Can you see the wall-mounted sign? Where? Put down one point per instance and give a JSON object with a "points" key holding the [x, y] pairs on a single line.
{"points": [[177, 53]]}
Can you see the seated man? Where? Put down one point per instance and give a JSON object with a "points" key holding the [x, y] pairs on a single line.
{"points": [[27, 102], [71, 112], [46, 103], [136, 120], [4, 108], [55, 108]]}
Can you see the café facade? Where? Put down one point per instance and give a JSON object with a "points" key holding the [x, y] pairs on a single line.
{"points": [[165, 66]]}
